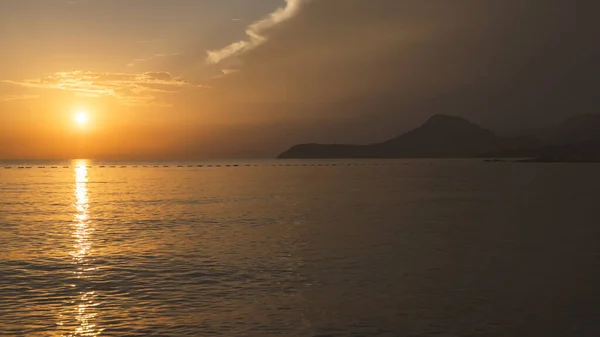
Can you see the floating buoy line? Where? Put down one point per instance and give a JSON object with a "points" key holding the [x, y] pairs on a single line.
{"points": [[149, 166]]}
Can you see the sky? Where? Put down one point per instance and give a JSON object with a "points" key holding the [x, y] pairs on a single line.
{"points": [[249, 78]]}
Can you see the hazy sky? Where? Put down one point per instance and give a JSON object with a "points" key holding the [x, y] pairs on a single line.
{"points": [[244, 78]]}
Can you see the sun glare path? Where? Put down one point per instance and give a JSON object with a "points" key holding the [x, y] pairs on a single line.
{"points": [[81, 317]]}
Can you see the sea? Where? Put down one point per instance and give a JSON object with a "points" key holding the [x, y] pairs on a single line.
{"points": [[427, 247]]}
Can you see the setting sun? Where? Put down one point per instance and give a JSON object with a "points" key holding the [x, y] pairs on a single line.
{"points": [[81, 117]]}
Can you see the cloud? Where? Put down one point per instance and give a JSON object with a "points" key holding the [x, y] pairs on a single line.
{"points": [[22, 97], [394, 62], [129, 89], [256, 32], [154, 57], [229, 71]]}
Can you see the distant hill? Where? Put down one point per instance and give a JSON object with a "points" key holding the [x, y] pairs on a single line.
{"points": [[441, 136], [575, 139], [575, 152], [577, 129]]}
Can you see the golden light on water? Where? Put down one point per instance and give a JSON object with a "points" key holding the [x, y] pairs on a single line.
{"points": [[83, 315], [82, 228]]}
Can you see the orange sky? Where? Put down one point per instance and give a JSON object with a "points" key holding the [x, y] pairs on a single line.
{"points": [[239, 78], [141, 71]]}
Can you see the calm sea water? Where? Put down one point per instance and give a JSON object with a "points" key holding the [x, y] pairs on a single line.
{"points": [[362, 248]]}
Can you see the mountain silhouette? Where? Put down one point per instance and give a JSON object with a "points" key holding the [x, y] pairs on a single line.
{"points": [[442, 136], [577, 129], [588, 151], [575, 139]]}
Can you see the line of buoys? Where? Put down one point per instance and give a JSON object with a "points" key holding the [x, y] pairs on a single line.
{"points": [[211, 165]]}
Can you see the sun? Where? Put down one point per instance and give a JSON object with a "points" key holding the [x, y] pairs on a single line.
{"points": [[81, 117]]}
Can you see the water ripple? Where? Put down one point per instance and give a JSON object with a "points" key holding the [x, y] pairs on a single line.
{"points": [[452, 249]]}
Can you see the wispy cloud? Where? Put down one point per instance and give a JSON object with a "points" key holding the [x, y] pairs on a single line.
{"points": [[9, 98], [129, 89], [255, 32], [151, 58]]}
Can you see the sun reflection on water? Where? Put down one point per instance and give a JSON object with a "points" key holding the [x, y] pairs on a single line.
{"points": [[84, 314], [83, 230]]}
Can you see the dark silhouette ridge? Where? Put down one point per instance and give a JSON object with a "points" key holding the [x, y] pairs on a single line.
{"points": [[584, 152], [442, 136], [577, 129], [576, 139]]}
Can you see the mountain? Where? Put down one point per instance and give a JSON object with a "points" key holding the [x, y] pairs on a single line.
{"points": [[577, 129], [588, 151], [442, 136], [575, 139]]}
